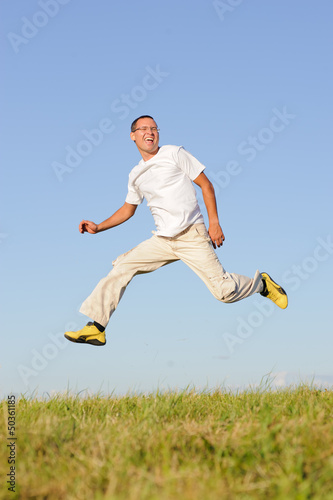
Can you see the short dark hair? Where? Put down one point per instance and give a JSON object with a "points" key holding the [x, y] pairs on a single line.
{"points": [[133, 126]]}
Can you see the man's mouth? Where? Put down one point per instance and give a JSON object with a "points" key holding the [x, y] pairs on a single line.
{"points": [[149, 140]]}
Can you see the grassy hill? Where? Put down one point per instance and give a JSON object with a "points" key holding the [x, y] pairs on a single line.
{"points": [[189, 445]]}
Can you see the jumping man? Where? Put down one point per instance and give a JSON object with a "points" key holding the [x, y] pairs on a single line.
{"points": [[165, 177]]}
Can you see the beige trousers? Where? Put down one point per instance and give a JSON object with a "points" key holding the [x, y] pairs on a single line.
{"points": [[193, 246]]}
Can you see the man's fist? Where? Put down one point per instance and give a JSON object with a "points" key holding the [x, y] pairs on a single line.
{"points": [[86, 226]]}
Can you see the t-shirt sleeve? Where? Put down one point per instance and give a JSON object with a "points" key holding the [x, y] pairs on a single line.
{"points": [[189, 164], [134, 195]]}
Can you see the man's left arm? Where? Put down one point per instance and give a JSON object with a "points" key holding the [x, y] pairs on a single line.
{"points": [[215, 231]]}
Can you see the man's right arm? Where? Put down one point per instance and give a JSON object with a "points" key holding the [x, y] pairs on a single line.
{"points": [[122, 215]]}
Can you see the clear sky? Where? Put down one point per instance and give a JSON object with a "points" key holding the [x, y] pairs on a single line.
{"points": [[246, 87]]}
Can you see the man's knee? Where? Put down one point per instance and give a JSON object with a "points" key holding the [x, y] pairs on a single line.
{"points": [[224, 288]]}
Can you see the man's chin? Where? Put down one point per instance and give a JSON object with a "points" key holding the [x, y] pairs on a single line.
{"points": [[151, 150]]}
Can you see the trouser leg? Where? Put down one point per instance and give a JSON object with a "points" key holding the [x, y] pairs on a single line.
{"points": [[144, 258], [195, 249]]}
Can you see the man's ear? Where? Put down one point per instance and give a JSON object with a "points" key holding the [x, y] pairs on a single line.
{"points": [[132, 135]]}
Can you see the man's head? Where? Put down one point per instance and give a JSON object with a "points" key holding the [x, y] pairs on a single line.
{"points": [[144, 132]]}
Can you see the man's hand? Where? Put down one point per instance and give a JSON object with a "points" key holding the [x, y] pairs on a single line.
{"points": [[216, 235], [86, 226]]}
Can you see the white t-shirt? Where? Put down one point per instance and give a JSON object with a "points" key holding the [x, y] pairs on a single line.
{"points": [[166, 182]]}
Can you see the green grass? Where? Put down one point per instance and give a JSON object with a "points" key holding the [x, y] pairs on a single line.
{"points": [[189, 445]]}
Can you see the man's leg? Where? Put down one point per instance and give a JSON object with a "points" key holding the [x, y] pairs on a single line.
{"points": [[144, 258], [102, 302], [195, 249]]}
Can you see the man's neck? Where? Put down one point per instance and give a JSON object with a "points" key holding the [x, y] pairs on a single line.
{"points": [[148, 156]]}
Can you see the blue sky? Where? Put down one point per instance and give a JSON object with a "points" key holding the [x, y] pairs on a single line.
{"points": [[246, 88]]}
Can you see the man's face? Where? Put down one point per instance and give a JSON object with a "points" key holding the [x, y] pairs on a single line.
{"points": [[146, 137]]}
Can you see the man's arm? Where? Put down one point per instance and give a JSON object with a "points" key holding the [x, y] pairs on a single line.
{"points": [[122, 215], [215, 231]]}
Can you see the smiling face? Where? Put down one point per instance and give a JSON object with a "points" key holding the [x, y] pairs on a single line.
{"points": [[146, 137]]}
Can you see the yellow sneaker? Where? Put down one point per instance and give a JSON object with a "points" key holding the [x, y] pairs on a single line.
{"points": [[274, 292], [90, 334]]}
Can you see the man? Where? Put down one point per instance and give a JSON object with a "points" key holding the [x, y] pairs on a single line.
{"points": [[164, 177]]}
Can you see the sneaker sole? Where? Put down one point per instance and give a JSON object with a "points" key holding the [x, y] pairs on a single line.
{"points": [[83, 340], [276, 284], [278, 287]]}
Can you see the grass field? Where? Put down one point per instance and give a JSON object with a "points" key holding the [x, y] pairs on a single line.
{"points": [[188, 445]]}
